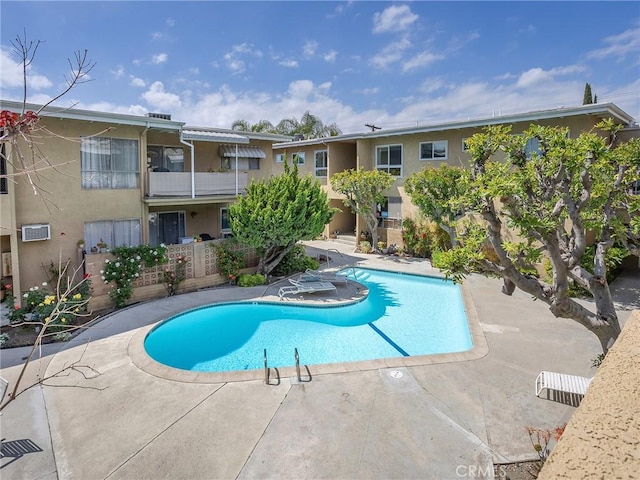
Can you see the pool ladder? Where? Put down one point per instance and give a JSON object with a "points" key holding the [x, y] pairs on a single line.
{"points": [[267, 370]]}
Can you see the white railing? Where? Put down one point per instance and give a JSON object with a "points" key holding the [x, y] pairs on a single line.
{"points": [[178, 184]]}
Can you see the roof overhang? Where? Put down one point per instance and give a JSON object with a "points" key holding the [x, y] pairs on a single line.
{"points": [[242, 152], [213, 136], [72, 113]]}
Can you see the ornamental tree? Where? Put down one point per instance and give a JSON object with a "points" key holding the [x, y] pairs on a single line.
{"points": [[430, 190], [278, 212], [363, 191], [553, 200]]}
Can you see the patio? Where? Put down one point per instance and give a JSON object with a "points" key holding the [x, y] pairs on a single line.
{"points": [[438, 420]]}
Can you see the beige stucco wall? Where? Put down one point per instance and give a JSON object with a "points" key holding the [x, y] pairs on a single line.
{"points": [[602, 439], [67, 205]]}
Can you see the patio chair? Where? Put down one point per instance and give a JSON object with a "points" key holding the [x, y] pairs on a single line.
{"points": [[306, 287], [318, 276], [561, 382]]}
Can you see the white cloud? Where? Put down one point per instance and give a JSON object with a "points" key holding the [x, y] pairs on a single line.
{"points": [[537, 76], [309, 48], [11, 74], [170, 22], [370, 91], [392, 53], [289, 63], [194, 71], [161, 100], [330, 56], [159, 58], [420, 60], [137, 82], [155, 36], [118, 72], [233, 58], [620, 46], [236, 66], [393, 19]]}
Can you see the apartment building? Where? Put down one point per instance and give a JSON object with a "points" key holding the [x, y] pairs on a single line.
{"points": [[404, 151], [121, 180], [128, 179]]}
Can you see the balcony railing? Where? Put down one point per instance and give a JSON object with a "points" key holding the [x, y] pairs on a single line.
{"points": [[178, 184]]}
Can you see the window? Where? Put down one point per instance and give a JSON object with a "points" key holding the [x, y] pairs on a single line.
{"points": [[165, 159], [114, 233], [279, 157], [532, 146], [635, 188], [389, 212], [320, 163], [243, 163], [297, 158], [225, 223], [109, 163], [389, 159], [465, 147], [433, 150], [166, 227]]}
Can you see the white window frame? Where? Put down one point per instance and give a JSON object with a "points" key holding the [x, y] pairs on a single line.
{"points": [[108, 178], [433, 151], [298, 158], [388, 166], [326, 163], [279, 158], [109, 233]]}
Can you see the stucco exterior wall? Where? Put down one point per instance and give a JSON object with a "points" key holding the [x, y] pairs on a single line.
{"points": [[66, 205], [602, 439]]}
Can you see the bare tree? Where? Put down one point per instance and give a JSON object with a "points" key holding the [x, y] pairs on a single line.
{"points": [[57, 311], [23, 131]]}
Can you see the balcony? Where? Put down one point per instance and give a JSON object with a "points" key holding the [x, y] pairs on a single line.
{"points": [[178, 184]]}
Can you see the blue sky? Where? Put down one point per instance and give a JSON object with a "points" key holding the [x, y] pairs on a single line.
{"points": [[392, 64]]}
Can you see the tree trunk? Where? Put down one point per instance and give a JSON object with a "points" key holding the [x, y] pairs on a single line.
{"points": [[272, 258]]}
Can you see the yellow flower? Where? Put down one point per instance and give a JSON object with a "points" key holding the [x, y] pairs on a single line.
{"points": [[46, 320], [76, 310], [41, 304], [77, 296], [63, 320]]}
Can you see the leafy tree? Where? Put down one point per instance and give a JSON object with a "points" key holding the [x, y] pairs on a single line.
{"points": [[587, 97], [278, 212], [363, 190], [309, 126], [431, 188], [550, 199], [262, 126]]}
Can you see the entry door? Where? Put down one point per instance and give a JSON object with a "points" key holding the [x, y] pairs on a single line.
{"points": [[170, 227]]}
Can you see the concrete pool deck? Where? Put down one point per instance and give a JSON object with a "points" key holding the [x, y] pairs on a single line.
{"points": [[450, 419]]}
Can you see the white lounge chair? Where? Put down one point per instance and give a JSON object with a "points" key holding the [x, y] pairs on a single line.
{"points": [[317, 276], [561, 382], [305, 287]]}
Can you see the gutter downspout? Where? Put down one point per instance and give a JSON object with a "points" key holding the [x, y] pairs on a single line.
{"points": [[193, 163], [236, 169], [145, 188]]}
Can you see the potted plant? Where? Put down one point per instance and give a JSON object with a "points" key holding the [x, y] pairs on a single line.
{"points": [[382, 246], [101, 245], [80, 244]]}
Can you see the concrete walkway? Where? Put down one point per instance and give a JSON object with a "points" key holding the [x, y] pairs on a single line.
{"points": [[440, 420]]}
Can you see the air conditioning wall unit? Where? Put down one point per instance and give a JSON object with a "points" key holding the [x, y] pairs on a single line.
{"points": [[34, 233]]}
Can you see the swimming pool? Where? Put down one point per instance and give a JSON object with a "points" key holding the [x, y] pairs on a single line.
{"points": [[403, 315]]}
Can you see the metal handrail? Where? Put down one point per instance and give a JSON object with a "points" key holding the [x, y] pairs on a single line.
{"points": [[266, 368], [297, 365], [333, 250]]}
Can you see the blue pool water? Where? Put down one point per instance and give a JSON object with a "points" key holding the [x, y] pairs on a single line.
{"points": [[403, 315]]}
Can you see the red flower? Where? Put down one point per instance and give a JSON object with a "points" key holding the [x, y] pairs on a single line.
{"points": [[87, 275]]}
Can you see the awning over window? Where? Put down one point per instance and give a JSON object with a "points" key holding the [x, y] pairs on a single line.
{"points": [[213, 136], [244, 151]]}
